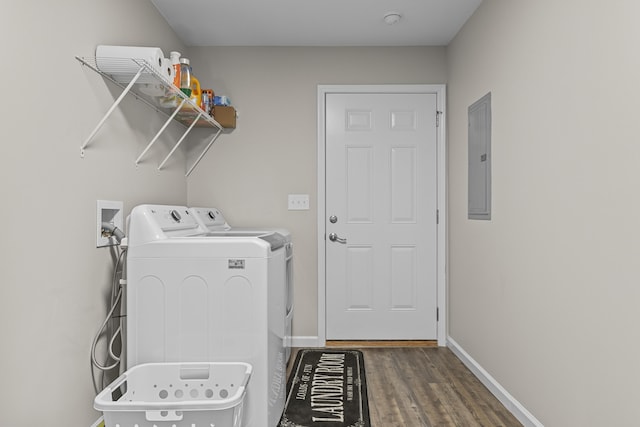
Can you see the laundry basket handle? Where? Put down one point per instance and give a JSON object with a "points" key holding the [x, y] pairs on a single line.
{"points": [[165, 415], [112, 388]]}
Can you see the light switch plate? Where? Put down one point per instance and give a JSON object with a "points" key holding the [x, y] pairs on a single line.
{"points": [[298, 202]]}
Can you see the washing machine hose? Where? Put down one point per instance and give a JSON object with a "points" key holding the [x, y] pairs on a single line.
{"points": [[111, 230], [106, 329]]}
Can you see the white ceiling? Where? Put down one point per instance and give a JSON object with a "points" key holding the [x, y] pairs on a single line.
{"points": [[315, 22]]}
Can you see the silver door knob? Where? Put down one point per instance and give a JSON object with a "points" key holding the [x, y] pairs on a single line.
{"points": [[333, 219], [334, 238]]}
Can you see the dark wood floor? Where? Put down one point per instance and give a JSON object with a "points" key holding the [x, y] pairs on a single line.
{"points": [[427, 386]]}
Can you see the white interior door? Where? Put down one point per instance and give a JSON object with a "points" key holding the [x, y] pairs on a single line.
{"points": [[381, 207]]}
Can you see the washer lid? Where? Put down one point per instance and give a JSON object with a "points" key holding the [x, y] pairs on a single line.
{"points": [[275, 240]]}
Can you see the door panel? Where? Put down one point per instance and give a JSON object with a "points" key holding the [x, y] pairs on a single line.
{"points": [[403, 185], [381, 186], [359, 191], [359, 278]]}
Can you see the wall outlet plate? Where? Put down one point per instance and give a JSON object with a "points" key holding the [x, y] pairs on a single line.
{"points": [[298, 202], [112, 213]]}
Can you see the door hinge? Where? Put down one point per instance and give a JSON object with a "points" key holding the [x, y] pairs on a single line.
{"points": [[437, 216], [438, 113], [437, 314]]}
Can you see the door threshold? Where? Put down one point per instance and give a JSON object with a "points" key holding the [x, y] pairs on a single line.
{"points": [[386, 343]]}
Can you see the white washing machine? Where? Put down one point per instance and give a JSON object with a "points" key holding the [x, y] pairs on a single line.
{"points": [[194, 296], [213, 221]]}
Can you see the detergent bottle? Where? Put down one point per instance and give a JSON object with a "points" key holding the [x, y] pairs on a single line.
{"points": [[196, 92]]}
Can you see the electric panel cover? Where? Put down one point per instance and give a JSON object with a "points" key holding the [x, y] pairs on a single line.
{"points": [[480, 159]]}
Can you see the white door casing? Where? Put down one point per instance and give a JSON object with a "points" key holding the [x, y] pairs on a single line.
{"points": [[388, 217]]}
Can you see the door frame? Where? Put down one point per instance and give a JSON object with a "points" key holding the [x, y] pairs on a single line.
{"points": [[441, 202]]}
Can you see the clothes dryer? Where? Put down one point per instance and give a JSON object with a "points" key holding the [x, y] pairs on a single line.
{"points": [[193, 296], [215, 223]]}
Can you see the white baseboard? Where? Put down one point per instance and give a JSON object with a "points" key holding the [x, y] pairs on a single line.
{"points": [[515, 407], [302, 342]]}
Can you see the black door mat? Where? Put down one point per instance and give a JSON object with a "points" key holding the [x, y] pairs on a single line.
{"points": [[327, 388]]}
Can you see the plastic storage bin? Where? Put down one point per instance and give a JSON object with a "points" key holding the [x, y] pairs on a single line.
{"points": [[176, 395]]}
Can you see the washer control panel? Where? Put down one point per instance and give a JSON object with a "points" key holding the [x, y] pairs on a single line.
{"points": [[211, 218]]}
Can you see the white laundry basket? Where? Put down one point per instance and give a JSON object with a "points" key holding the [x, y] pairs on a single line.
{"points": [[176, 395]]}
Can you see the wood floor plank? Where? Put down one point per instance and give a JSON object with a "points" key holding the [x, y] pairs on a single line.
{"points": [[487, 411], [426, 386], [416, 377], [380, 388]]}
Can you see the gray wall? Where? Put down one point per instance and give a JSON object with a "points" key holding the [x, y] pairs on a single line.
{"points": [[273, 152], [55, 282], [545, 295]]}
